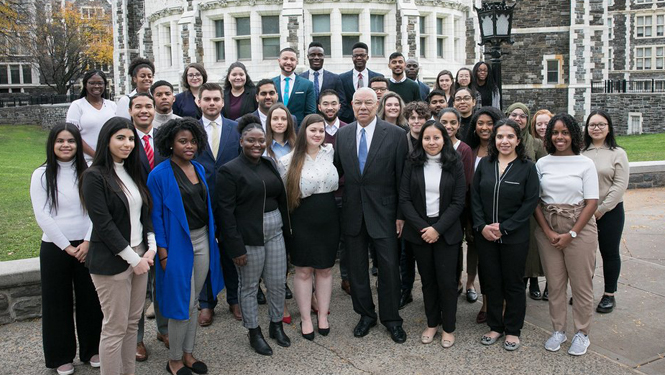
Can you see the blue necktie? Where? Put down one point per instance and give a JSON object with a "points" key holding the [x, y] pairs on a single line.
{"points": [[316, 85], [286, 91], [362, 151]]}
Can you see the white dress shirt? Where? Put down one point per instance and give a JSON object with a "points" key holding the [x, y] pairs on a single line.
{"points": [[369, 133], [209, 129], [333, 128], [393, 80], [311, 77], [365, 74], [263, 119], [150, 137], [292, 82]]}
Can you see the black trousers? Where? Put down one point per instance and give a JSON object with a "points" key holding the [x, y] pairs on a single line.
{"points": [[60, 272], [387, 258], [610, 228], [437, 263], [502, 266], [407, 264]]}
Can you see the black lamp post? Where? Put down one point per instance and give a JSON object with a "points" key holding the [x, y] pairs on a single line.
{"points": [[496, 21]]}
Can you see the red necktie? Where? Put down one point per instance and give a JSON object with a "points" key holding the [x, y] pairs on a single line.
{"points": [[148, 151], [361, 84]]}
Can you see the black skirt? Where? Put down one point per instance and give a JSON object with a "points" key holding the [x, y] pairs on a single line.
{"points": [[315, 228]]}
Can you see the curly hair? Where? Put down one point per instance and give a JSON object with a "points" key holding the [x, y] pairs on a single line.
{"points": [[165, 136], [520, 150], [421, 108], [139, 63], [249, 122], [610, 141], [573, 128], [471, 138]]}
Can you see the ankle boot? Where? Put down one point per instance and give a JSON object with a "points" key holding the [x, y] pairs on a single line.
{"points": [[276, 332], [257, 342]]}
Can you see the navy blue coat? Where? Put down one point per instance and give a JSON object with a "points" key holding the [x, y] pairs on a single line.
{"points": [[330, 81], [229, 148], [346, 112]]}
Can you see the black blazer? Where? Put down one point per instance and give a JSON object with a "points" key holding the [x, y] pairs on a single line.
{"points": [[330, 81], [374, 194], [108, 209], [346, 112], [249, 104], [412, 202], [238, 205]]}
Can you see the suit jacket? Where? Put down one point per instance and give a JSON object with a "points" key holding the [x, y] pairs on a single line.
{"points": [[229, 148], [346, 112], [248, 105], [412, 202], [424, 91], [302, 101], [375, 192], [108, 209], [330, 81], [145, 165]]}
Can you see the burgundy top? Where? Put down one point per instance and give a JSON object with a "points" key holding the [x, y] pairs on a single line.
{"points": [[235, 104]]}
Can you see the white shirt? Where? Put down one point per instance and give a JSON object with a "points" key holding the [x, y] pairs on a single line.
{"points": [[567, 179], [123, 106], [263, 119], [401, 80], [456, 144], [311, 77], [365, 74], [332, 129], [90, 120], [292, 82], [432, 172], [209, 129], [369, 133], [318, 175], [151, 139]]}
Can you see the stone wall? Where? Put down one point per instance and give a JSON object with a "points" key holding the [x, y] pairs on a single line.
{"points": [[542, 13], [20, 290], [524, 62], [619, 105], [44, 115], [555, 100], [645, 175]]}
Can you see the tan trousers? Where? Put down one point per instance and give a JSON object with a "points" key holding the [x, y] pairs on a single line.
{"points": [[575, 263], [122, 297]]}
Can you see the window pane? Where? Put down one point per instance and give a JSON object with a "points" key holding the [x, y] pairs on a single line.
{"points": [[640, 52], [439, 26], [219, 28], [4, 78], [376, 23], [422, 24], [647, 63], [439, 48], [640, 21], [15, 73], [659, 63], [350, 23], [242, 26], [347, 44], [219, 51], [27, 73], [377, 46], [270, 47], [270, 24], [325, 41], [423, 45], [321, 23], [244, 49]]}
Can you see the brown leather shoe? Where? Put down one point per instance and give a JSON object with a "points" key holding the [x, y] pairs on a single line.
{"points": [[346, 286], [235, 310], [141, 352], [205, 317], [164, 339]]}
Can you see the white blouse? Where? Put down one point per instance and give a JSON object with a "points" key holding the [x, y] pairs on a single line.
{"points": [[567, 179], [318, 175]]}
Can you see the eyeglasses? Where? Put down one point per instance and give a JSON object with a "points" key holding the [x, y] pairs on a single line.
{"points": [[600, 125], [380, 89], [359, 56], [463, 98], [194, 75], [515, 115]]}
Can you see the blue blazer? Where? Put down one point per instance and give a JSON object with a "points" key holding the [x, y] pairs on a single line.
{"points": [[302, 101], [346, 112], [229, 148], [173, 284], [330, 81], [424, 90]]}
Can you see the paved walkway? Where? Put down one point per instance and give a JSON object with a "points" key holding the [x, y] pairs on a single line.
{"points": [[629, 340]]}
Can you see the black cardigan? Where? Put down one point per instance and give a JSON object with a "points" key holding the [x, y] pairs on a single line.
{"points": [[108, 209], [509, 200], [238, 205], [412, 203], [249, 103]]}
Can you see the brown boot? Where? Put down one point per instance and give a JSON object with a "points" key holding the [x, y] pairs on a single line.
{"points": [[205, 317]]}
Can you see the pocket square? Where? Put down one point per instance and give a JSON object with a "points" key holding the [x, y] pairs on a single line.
{"points": [[299, 92]]}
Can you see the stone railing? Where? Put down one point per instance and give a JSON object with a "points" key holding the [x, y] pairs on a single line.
{"points": [[646, 174], [20, 290], [45, 116]]}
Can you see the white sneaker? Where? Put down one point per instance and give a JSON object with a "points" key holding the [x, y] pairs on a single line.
{"points": [[94, 361], [579, 345], [554, 342], [66, 369]]}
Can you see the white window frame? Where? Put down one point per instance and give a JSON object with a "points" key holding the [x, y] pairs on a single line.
{"points": [[236, 38], [270, 36], [632, 116], [351, 33], [216, 39], [166, 32], [326, 51], [650, 23], [652, 57], [545, 71], [381, 34], [423, 36]]}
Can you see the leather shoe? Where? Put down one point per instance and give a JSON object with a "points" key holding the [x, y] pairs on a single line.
{"points": [[363, 326], [205, 317], [257, 341], [306, 336], [183, 370], [287, 291], [535, 295], [235, 310], [141, 352], [164, 339], [546, 295], [397, 334], [198, 367], [276, 332], [260, 297], [481, 317], [471, 295], [346, 286], [405, 299], [606, 304]]}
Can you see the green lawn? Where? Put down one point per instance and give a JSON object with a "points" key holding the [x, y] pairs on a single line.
{"points": [[645, 147], [21, 151]]}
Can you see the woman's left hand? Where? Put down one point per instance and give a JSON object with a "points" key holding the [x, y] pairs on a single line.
{"points": [[598, 215], [82, 251], [561, 241], [429, 235]]}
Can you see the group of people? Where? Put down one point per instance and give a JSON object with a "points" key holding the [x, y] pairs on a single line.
{"points": [[179, 196]]}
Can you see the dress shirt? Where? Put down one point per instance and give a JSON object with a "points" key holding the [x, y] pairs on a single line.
{"points": [[149, 134], [365, 74], [332, 129], [280, 150], [400, 81], [311, 77], [318, 175], [369, 133], [263, 119], [209, 128], [456, 144], [292, 82]]}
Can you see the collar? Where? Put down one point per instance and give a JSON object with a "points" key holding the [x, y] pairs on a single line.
{"points": [[369, 128], [311, 72], [593, 147], [292, 78], [400, 81], [365, 73], [149, 133], [207, 122], [335, 123]]}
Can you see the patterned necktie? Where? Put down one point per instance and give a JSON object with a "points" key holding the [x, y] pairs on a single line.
{"points": [[286, 91], [148, 151], [316, 85], [215, 139], [362, 151], [360, 81]]}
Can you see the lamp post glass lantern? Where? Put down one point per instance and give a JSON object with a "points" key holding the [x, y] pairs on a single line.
{"points": [[496, 22]]}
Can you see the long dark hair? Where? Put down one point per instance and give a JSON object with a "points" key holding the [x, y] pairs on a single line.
{"points": [[574, 130], [248, 81], [52, 166], [471, 85], [471, 138], [103, 160], [299, 150], [86, 77], [489, 81], [289, 133], [610, 141], [448, 156], [520, 150]]}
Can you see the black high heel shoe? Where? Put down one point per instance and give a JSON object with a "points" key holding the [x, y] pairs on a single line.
{"points": [[322, 331], [307, 336]]}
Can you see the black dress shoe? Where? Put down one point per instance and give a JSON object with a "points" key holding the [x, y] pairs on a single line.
{"points": [[198, 367], [182, 371], [405, 299], [287, 292], [260, 297], [606, 304], [276, 332], [546, 294], [535, 295], [257, 342], [363, 326], [306, 336], [397, 334], [471, 296]]}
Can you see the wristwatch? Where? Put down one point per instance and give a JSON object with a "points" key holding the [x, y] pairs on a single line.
{"points": [[572, 233]]}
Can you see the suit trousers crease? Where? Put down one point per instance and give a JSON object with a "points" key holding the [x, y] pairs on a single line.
{"points": [[59, 273], [575, 263], [122, 297]]}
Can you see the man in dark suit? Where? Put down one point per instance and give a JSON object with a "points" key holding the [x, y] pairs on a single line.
{"points": [[295, 92], [266, 96], [321, 78], [356, 78], [223, 146], [370, 155], [142, 113], [412, 70]]}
